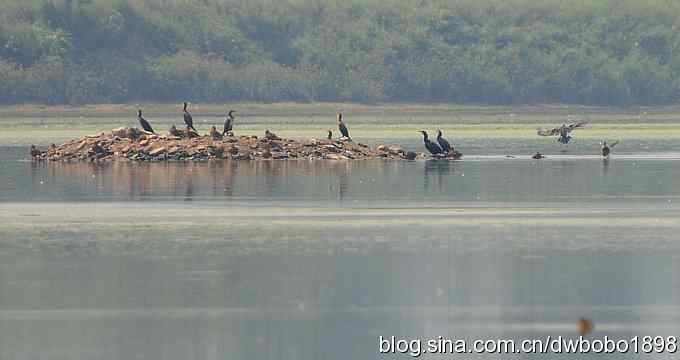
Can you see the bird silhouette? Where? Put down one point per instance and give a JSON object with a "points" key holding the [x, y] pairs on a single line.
{"points": [[445, 145], [342, 127], [188, 119], [145, 124], [432, 147], [229, 123]]}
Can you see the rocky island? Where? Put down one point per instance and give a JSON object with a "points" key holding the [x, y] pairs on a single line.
{"points": [[133, 144]]}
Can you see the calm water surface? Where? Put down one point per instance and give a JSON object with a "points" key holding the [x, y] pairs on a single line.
{"points": [[315, 260]]}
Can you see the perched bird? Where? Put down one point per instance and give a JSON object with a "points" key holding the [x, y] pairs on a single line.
{"points": [[34, 151], [188, 119], [98, 149], [433, 148], [229, 123], [330, 135], [145, 124], [174, 132], [270, 135], [606, 150], [214, 134], [342, 127], [537, 156], [446, 147]]}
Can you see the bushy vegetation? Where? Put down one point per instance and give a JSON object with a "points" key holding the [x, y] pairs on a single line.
{"points": [[613, 52]]}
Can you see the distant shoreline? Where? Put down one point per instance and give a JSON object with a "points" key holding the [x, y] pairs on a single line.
{"points": [[401, 109]]}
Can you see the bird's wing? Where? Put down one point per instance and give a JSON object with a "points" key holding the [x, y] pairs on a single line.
{"points": [[548, 132], [613, 144], [575, 125]]}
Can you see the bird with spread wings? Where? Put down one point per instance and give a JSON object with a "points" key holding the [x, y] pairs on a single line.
{"points": [[564, 131]]}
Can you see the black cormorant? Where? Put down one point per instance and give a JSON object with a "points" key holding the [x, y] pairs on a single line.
{"points": [[330, 135], [145, 124], [188, 119], [229, 123], [270, 135], [433, 148], [98, 149], [446, 146], [174, 132], [342, 127], [606, 150], [214, 134], [34, 151]]}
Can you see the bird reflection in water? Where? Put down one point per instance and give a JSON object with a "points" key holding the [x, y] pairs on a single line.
{"points": [[189, 192], [605, 166], [187, 181], [437, 170], [230, 171]]}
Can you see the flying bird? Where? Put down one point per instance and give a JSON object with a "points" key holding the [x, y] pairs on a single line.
{"points": [[563, 132]]}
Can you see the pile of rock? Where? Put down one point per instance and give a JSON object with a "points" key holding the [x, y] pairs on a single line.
{"points": [[137, 145]]}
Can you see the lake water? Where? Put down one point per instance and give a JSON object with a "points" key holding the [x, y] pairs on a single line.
{"points": [[316, 260]]}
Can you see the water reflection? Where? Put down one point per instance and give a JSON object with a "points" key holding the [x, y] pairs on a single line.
{"points": [[346, 182], [436, 171], [286, 286]]}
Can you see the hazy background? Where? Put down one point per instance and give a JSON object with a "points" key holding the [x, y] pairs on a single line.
{"points": [[601, 52]]}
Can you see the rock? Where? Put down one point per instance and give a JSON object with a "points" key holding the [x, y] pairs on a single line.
{"points": [[335, 157], [132, 144], [127, 132], [244, 155], [454, 155], [157, 151], [81, 145], [395, 149]]}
